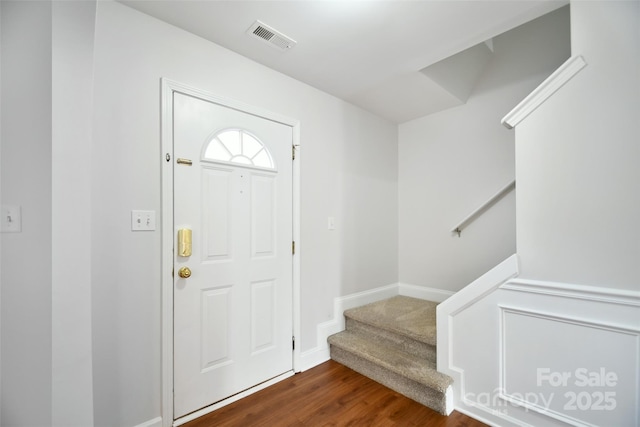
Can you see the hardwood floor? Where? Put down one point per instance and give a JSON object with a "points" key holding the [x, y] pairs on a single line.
{"points": [[329, 395]]}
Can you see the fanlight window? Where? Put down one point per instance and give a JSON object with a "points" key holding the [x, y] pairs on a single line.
{"points": [[240, 147]]}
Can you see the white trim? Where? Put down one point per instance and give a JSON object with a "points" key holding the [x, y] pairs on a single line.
{"points": [[519, 401], [204, 411], [297, 314], [481, 418], [475, 291], [449, 405], [547, 88], [320, 353], [168, 87], [424, 292], [167, 255], [590, 293], [593, 308], [156, 422], [448, 309]]}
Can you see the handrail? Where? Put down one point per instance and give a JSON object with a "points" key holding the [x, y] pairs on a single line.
{"points": [[485, 206]]}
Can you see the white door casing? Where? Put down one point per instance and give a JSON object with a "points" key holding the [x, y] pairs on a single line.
{"points": [[233, 318]]}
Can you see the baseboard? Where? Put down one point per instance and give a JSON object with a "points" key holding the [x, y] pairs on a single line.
{"points": [[449, 407], [156, 422], [314, 357], [320, 353], [423, 292]]}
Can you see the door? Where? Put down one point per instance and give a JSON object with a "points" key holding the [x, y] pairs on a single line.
{"points": [[233, 315]]}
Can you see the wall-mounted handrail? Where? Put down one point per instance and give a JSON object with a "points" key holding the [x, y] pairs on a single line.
{"points": [[484, 207]]}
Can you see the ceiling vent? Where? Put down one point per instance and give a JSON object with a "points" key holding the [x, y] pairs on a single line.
{"points": [[270, 36]]}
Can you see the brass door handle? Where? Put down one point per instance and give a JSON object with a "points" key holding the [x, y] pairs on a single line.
{"points": [[184, 272]]}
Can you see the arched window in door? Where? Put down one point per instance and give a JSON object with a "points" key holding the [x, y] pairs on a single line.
{"points": [[240, 147]]}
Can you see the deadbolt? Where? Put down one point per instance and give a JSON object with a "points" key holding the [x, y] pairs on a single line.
{"points": [[184, 242], [184, 272]]}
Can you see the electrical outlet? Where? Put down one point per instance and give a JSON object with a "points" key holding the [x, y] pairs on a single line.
{"points": [[143, 220], [11, 219]]}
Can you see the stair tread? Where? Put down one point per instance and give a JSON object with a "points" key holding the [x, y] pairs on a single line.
{"points": [[408, 365], [411, 317]]}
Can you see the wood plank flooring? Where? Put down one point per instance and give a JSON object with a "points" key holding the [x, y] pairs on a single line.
{"points": [[329, 395]]}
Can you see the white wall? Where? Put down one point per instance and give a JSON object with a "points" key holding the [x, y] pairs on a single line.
{"points": [[26, 181], [453, 161], [348, 170], [577, 159], [574, 309], [72, 87]]}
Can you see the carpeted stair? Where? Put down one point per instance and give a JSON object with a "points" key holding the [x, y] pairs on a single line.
{"points": [[394, 343]]}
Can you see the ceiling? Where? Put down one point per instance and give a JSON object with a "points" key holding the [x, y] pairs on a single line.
{"points": [[367, 52]]}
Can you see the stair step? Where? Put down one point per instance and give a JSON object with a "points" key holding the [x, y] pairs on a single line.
{"points": [[406, 373], [398, 361], [391, 339], [408, 317]]}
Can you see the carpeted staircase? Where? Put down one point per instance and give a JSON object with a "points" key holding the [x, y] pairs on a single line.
{"points": [[394, 343]]}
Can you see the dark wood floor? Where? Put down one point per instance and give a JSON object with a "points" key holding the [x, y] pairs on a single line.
{"points": [[329, 395]]}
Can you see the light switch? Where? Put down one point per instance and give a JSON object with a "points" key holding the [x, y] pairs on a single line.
{"points": [[331, 223], [11, 219], [143, 220]]}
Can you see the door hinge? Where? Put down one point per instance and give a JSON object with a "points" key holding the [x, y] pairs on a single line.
{"points": [[293, 343], [293, 152], [293, 248]]}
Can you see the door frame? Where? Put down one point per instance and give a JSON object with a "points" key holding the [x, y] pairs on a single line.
{"points": [[168, 87]]}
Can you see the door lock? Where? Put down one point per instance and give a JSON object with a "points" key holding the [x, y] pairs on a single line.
{"points": [[184, 272], [184, 242]]}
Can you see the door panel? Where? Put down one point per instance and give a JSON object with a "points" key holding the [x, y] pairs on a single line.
{"points": [[233, 315], [263, 204], [216, 213]]}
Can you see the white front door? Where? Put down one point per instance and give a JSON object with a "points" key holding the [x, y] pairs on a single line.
{"points": [[233, 316]]}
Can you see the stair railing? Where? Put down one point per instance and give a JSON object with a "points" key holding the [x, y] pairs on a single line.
{"points": [[484, 207]]}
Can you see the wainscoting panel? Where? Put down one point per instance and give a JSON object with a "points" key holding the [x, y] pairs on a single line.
{"points": [[527, 352], [563, 367]]}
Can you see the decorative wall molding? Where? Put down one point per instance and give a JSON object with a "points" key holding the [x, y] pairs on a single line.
{"points": [[596, 325], [475, 291], [591, 293], [564, 328], [448, 335], [547, 88]]}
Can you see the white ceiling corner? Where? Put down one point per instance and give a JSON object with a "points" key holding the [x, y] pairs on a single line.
{"points": [[367, 52]]}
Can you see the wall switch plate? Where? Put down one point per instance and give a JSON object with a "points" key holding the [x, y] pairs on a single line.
{"points": [[11, 219], [331, 223], [143, 220]]}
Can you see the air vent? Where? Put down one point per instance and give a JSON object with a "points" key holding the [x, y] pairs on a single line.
{"points": [[270, 36]]}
